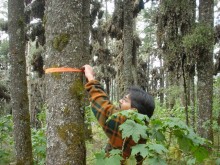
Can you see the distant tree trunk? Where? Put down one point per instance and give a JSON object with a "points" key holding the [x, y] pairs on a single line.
{"points": [[148, 73], [35, 88], [108, 80], [167, 33], [171, 78], [161, 83], [36, 100], [135, 56], [18, 83], [128, 46], [205, 74], [192, 75], [106, 19], [192, 103], [65, 91]]}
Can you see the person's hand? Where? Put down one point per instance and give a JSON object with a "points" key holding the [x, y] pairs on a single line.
{"points": [[89, 73]]}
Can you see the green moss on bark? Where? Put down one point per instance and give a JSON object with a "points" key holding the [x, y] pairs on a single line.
{"points": [[77, 90], [56, 75], [66, 111], [21, 22], [72, 134], [60, 41], [44, 20]]}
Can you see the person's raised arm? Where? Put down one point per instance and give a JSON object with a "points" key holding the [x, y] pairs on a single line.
{"points": [[89, 73], [100, 103]]}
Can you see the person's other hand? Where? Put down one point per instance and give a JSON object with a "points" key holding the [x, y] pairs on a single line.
{"points": [[89, 73]]}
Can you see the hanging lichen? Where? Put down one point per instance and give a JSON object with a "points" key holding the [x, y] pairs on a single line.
{"points": [[60, 42], [200, 38]]}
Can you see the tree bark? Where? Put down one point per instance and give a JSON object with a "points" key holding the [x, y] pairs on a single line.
{"points": [[205, 75], [86, 29], [65, 91], [128, 45], [86, 53], [18, 83], [161, 94]]}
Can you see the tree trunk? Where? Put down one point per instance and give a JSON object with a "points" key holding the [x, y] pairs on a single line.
{"points": [[18, 83], [36, 101], [205, 74], [192, 102], [65, 91], [86, 29], [161, 83], [128, 45], [192, 79], [148, 73], [134, 56], [86, 52]]}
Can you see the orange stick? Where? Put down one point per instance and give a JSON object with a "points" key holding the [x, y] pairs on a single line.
{"points": [[62, 69]]}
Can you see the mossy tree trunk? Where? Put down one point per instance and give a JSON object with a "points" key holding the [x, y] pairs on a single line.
{"points": [[18, 83], [86, 52], [176, 19], [161, 94], [188, 60], [86, 29], [205, 73], [65, 91], [191, 73], [128, 58], [167, 39], [193, 104]]}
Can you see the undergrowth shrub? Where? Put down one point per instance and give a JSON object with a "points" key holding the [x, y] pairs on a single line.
{"points": [[169, 141], [6, 140]]}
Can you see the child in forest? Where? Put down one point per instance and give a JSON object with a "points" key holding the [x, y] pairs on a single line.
{"points": [[102, 108]]}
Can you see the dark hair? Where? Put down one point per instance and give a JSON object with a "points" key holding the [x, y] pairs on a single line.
{"points": [[141, 100]]}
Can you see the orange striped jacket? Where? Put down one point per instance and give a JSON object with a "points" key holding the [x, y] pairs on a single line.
{"points": [[102, 109]]}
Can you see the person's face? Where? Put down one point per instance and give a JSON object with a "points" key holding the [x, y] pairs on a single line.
{"points": [[125, 103]]}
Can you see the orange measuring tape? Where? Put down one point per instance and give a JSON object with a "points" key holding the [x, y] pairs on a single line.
{"points": [[63, 69]]}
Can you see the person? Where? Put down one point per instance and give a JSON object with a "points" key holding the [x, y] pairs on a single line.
{"points": [[102, 108]]}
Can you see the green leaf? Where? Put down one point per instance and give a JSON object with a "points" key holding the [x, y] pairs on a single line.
{"points": [[115, 159], [158, 148], [140, 118], [100, 158], [128, 114], [185, 144], [131, 160], [191, 161], [156, 123], [115, 152], [176, 123], [156, 161], [217, 161], [136, 131], [140, 148], [131, 114], [200, 153], [159, 136]]}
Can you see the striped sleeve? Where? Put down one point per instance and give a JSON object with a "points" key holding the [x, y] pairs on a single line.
{"points": [[102, 109]]}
